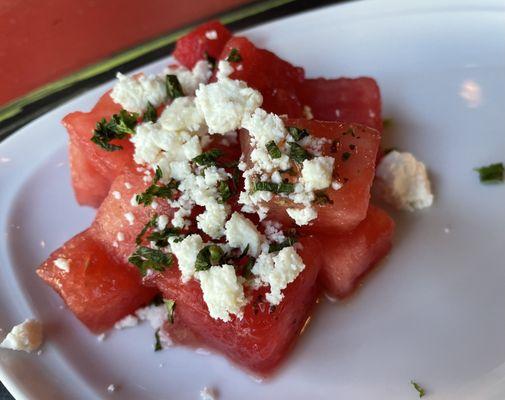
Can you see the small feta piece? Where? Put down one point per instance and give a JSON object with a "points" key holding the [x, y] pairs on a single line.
{"points": [[212, 220], [111, 388], [155, 315], [208, 394], [211, 35], [162, 222], [278, 271], [62, 263], [116, 195], [182, 115], [190, 80], [127, 322], [225, 102], [264, 127], [222, 292], [129, 217], [101, 337], [26, 336], [336, 185], [403, 181], [241, 232], [273, 231], [302, 216], [317, 172], [186, 251], [133, 93]]}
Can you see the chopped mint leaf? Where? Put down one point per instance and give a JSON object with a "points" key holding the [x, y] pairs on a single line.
{"points": [[419, 389], [170, 306], [224, 191], [247, 268], [210, 255], [150, 224], [158, 174], [161, 238], [150, 114], [273, 150], [118, 127], [298, 153], [211, 60], [208, 157], [274, 187], [297, 133], [290, 241], [145, 258], [157, 341], [173, 86], [234, 56], [163, 192], [492, 173]]}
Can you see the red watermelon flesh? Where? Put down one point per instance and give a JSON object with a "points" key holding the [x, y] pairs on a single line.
{"points": [[98, 289], [344, 99], [349, 256], [200, 43], [349, 204], [275, 78], [264, 336], [93, 168]]}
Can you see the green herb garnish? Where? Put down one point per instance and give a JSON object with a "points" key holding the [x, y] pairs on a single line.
{"points": [[211, 60], [297, 133], [247, 268], [145, 258], [150, 114], [289, 241], [274, 187], [224, 191], [273, 150], [322, 198], [157, 341], [208, 157], [160, 239], [210, 255], [118, 127], [298, 153], [419, 389], [234, 56], [164, 192], [173, 86], [170, 306], [150, 224], [492, 173]]}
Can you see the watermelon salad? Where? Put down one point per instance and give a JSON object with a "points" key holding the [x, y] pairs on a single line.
{"points": [[232, 191]]}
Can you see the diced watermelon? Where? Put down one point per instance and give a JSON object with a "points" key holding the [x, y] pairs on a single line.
{"points": [[349, 256], [263, 337], [348, 205], [200, 42], [93, 169], [98, 289], [275, 78], [346, 100]]}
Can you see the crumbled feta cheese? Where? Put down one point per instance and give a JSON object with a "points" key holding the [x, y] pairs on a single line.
{"points": [[26, 336], [133, 93], [208, 394], [186, 251], [127, 322], [273, 231], [111, 388], [212, 220], [302, 216], [190, 80], [211, 35], [403, 181], [63, 264], [162, 222], [336, 185], [116, 195], [182, 115], [241, 232], [155, 315], [129, 217], [278, 271], [222, 292], [317, 172], [101, 337], [225, 102]]}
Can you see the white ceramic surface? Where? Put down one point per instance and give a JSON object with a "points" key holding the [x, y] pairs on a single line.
{"points": [[434, 312]]}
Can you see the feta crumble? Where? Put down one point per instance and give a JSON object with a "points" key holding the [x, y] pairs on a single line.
{"points": [[211, 35], [222, 292], [186, 251], [116, 195], [26, 336], [111, 388], [127, 322], [129, 217], [63, 264], [208, 394], [133, 93], [278, 271], [302, 216], [316, 173], [241, 232], [403, 181]]}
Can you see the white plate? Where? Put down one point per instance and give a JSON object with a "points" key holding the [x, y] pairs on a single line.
{"points": [[434, 312]]}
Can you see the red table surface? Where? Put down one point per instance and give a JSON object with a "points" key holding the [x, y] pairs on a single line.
{"points": [[44, 40]]}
